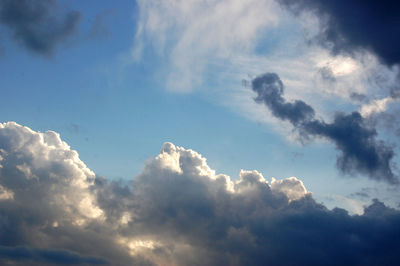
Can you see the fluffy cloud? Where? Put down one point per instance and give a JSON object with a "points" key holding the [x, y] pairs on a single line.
{"points": [[177, 211], [36, 25]]}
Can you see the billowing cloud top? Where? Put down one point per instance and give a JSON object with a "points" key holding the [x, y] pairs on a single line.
{"points": [[177, 211]]}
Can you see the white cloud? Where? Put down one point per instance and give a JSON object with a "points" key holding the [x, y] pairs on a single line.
{"points": [[195, 35], [177, 211], [34, 162], [211, 46], [6, 194], [376, 106], [292, 187]]}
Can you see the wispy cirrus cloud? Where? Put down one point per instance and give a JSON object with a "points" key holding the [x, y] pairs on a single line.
{"points": [[210, 46]]}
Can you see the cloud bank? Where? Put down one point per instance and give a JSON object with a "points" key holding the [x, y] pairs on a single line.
{"points": [[350, 26], [177, 211], [360, 151], [37, 25]]}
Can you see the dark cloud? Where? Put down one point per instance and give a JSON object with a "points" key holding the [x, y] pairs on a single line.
{"points": [[197, 220], [348, 26], [327, 74], [360, 151], [43, 256], [364, 193], [37, 25], [358, 97], [177, 211], [269, 90]]}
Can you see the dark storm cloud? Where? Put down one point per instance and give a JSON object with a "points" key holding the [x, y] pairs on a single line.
{"points": [[42, 256], [360, 151], [351, 25], [270, 90], [36, 24], [177, 211]]}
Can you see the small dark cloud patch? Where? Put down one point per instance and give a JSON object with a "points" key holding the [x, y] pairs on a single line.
{"points": [[363, 193], [347, 26], [34, 255], [38, 25], [269, 88], [327, 74], [358, 97], [395, 89], [99, 29], [74, 128], [296, 155], [360, 151]]}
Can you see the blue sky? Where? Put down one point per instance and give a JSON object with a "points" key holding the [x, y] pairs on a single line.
{"points": [[116, 93], [133, 75]]}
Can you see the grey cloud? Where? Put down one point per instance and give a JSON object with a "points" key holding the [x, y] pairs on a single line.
{"points": [[364, 193], [360, 151], [35, 256], [36, 25], [53, 204], [327, 74], [195, 219], [348, 26], [269, 90], [177, 211], [358, 97]]}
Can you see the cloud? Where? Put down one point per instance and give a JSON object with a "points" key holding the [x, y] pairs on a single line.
{"points": [[193, 36], [37, 25], [270, 89], [376, 106], [51, 203], [176, 211], [360, 151], [350, 26], [42, 256]]}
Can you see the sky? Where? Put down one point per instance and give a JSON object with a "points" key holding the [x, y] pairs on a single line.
{"points": [[201, 132]]}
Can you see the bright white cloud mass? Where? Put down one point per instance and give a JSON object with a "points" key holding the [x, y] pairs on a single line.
{"points": [[177, 211]]}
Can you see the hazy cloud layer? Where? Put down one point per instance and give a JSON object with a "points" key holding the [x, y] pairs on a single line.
{"points": [[350, 26], [360, 151], [38, 25], [177, 211]]}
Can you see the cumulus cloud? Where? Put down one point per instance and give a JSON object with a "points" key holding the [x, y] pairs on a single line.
{"points": [[177, 211], [360, 150], [37, 25]]}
